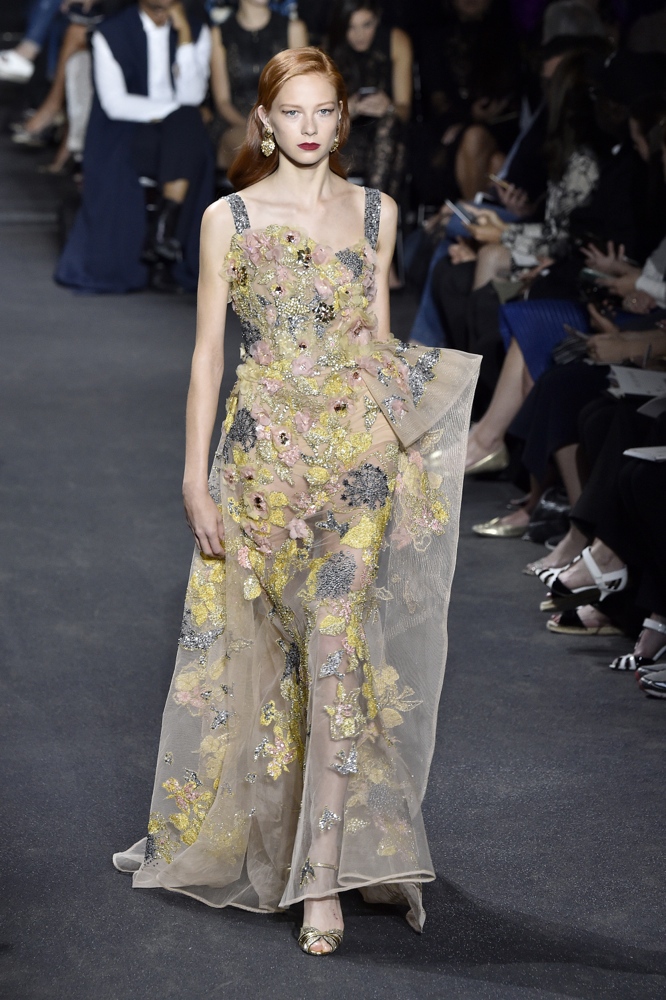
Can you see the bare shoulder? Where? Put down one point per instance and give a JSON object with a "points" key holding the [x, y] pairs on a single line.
{"points": [[401, 43], [217, 224], [389, 209]]}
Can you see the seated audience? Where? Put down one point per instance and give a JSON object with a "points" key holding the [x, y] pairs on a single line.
{"points": [[376, 65], [151, 67], [241, 47]]}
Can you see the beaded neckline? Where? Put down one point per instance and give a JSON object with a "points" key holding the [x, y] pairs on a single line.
{"points": [[277, 228]]}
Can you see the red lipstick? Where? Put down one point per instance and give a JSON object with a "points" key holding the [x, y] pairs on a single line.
{"points": [[308, 145]]}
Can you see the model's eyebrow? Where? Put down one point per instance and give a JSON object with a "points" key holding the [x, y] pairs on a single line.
{"points": [[299, 107]]}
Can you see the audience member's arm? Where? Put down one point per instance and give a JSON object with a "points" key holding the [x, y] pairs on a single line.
{"points": [[626, 345], [192, 60], [653, 283], [112, 89], [401, 73], [219, 82], [297, 34]]}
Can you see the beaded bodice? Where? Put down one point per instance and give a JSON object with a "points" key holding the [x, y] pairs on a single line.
{"points": [[301, 303]]}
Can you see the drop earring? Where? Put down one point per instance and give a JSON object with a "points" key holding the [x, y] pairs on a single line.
{"points": [[268, 142], [336, 141]]}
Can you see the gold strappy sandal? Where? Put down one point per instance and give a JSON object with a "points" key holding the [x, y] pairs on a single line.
{"points": [[310, 936]]}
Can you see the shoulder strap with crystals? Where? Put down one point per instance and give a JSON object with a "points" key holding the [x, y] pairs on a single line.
{"points": [[373, 207], [238, 211]]}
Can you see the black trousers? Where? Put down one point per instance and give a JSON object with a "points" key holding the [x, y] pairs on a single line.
{"points": [[471, 322], [173, 149], [622, 502]]}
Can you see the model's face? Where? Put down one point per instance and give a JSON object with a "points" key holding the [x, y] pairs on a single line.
{"points": [[157, 10], [361, 30], [304, 118], [640, 142]]}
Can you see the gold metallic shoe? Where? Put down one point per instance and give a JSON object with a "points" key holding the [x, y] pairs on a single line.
{"points": [[495, 529], [497, 461], [311, 936]]}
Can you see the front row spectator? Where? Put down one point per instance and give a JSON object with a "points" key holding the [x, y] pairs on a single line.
{"points": [[151, 66]]}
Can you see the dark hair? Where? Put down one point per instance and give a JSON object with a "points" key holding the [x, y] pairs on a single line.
{"points": [[572, 114], [341, 15], [250, 164]]}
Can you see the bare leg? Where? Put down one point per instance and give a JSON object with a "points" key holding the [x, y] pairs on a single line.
{"points": [[565, 552], [472, 159], [650, 642], [492, 259], [487, 436], [579, 575], [176, 190], [74, 41], [29, 50], [325, 914]]}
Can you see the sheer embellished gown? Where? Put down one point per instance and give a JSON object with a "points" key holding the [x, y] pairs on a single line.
{"points": [[300, 724]]}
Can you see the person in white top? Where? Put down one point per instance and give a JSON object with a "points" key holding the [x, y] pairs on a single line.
{"points": [[151, 65]]}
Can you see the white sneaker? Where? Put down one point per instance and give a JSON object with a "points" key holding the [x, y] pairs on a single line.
{"points": [[14, 67]]}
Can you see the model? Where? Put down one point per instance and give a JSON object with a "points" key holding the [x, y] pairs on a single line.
{"points": [[300, 724]]}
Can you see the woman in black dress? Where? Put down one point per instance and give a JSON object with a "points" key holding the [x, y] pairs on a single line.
{"points": [[376, 65], [241, 47]]}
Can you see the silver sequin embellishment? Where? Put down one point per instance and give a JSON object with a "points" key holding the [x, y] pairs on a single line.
{"points": [[336, 576], [308, 873], [422, 372], [238, 212], [351, 260], [168, 757], [328, 819], [219, 719], [348, 761], [388, 403], [330, 524], [366, 486], [331, 665], [193, 777], [259, 750], [251, 778], [190, 638], [373, 208]]}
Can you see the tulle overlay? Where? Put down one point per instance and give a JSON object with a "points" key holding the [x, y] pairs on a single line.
{"points": [[300, 723]]}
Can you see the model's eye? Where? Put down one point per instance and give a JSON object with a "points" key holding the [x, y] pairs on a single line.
{"points": [[326, 111], [290, 114]]}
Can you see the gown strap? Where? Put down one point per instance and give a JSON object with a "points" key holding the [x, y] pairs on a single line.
{"points": [[373, 208], [238, 211]]}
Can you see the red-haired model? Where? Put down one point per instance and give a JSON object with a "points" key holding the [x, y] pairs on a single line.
{"points": [[300, 724]]}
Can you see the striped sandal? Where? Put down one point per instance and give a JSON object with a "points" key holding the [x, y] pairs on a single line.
{"points": [[636, 662], [604, 584]]}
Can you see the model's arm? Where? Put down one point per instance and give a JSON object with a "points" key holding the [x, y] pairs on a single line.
{"points": [[297, 34], [202, 514], [385, 247], [401, 74], [219, 81]]}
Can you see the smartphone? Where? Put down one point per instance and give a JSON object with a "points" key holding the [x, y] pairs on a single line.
{"points": [[499, 181], [592, 275], [459, 212], [573, 332], [366, 91]]}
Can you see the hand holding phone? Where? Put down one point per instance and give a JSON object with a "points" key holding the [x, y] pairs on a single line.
{"points": [[467, 219]]}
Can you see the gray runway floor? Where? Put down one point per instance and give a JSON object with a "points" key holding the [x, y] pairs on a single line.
{"points": [[545, 808]]}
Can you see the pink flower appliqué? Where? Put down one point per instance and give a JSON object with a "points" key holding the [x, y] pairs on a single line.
{"points": [[262, 353], [324, 288], [298, 528], [303, 421], [281, 437], [321, 255], [244, 557], [271, 385], [302, 365], [291, 456]]}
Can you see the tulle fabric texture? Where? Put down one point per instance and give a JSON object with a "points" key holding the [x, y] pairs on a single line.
{"points": [[300, 723]]}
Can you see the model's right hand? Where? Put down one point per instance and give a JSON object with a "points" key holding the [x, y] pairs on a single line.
{"points": [[205, 522]]}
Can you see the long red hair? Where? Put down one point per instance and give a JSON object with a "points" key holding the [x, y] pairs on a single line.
{"points": [[250, 164]]}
